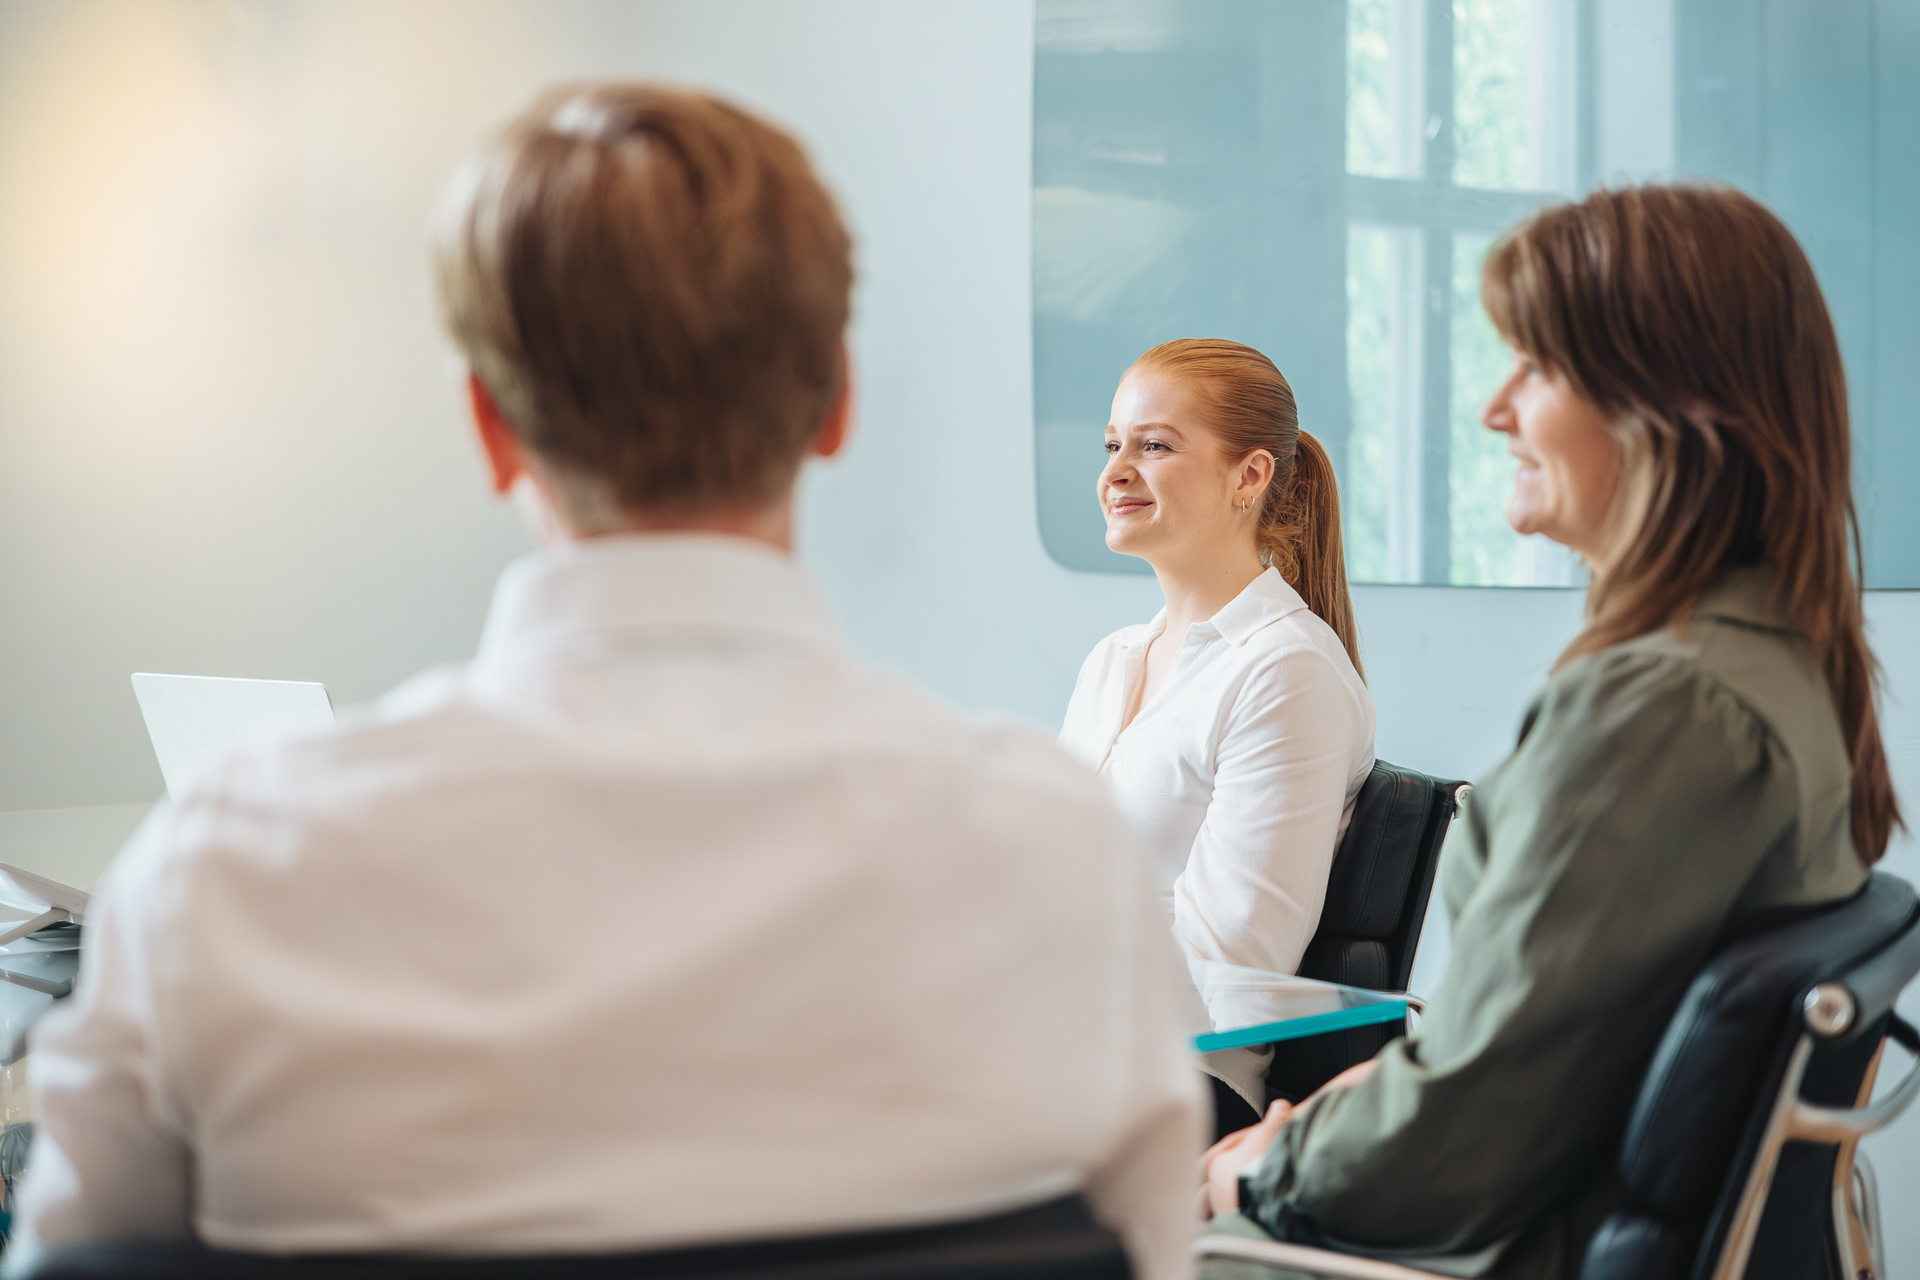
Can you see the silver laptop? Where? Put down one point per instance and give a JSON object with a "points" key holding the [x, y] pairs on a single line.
{"points": [[193, 719]]}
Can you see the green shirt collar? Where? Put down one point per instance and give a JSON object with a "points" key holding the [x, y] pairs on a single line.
{"points": [[1745, 595]]}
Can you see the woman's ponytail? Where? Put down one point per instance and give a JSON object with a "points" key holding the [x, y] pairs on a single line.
{"points": [[1252, 409], [1300, 536]]}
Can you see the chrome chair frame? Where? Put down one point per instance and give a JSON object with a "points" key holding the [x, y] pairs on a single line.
{"points": [[1306, 1259], [1829, 1014]]}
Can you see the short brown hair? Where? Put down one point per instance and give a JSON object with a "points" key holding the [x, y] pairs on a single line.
{"points": [[1691, 317], [653, 285], [1252, 408]]}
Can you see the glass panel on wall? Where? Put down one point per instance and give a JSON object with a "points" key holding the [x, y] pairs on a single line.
{"points": [[1322, 178]]}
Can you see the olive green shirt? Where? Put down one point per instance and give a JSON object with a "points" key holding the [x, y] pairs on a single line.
{"points": [[1665, 793]]}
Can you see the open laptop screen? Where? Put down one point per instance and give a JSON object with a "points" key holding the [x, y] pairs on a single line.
{"points": [[192, 719]]}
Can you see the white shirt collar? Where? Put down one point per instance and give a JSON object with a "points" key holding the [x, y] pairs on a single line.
{"points": [[1265, 600], [636, 585]]}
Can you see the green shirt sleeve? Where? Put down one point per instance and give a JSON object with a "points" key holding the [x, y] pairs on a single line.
{"points": [[1589, 880]]}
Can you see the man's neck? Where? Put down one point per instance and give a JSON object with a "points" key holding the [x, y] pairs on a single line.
{"points": [[771, 524]]}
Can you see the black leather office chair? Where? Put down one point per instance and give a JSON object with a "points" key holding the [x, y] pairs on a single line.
{"points": [[1777, 1041], [1370, 926], [1739, 1158], [1055, 1241]]}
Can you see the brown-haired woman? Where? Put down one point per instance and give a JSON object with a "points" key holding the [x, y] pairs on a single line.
{"points": [[1705, 753], [1234, 729]]}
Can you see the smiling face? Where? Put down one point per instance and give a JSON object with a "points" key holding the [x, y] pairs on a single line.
{"points": [[1569, 462], [1169, 493]]}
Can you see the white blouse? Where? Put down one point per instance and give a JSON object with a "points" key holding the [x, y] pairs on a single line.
{"points": [[1241, 771]]}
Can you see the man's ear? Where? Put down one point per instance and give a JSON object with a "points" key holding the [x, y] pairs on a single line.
{"points": [[506, 462], [838, 423]]}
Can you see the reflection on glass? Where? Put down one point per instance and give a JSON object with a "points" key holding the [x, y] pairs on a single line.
{"points": [[1369, 90], [1480, 470], [1425, 485], [1322, 180], [1364, 499], [1491, 106]]}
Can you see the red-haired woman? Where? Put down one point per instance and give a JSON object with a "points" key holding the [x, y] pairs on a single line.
{"points": [[1234, 729], [1705, 754]]}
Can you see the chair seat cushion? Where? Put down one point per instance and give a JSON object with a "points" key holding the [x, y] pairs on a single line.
{"points": [[1632, 1246]]}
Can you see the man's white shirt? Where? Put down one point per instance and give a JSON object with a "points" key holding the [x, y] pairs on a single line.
{"points": [[660, 922]]}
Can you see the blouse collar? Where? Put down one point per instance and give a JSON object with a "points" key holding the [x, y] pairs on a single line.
{"points": [[1264, 601]]}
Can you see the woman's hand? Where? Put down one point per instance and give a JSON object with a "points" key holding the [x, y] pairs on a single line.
{"points": [[1221, 1167]]}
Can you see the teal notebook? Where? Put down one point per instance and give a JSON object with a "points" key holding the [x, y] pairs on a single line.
{"points": [[1249, 1006]]}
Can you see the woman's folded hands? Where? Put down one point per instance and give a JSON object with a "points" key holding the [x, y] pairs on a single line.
{"points": [[1227, 1159]]}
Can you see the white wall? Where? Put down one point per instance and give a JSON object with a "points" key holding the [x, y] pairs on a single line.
{"points": [[228, 442]]}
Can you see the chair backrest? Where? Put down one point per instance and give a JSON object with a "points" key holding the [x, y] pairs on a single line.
{"points": [[1381, 880], [1370, 925], [1059, 1240], [1697, 1125]]}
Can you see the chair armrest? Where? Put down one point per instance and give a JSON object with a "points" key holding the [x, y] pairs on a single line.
{"points": [[1299, 1257], [1844, 1124], [1877, 984]]}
